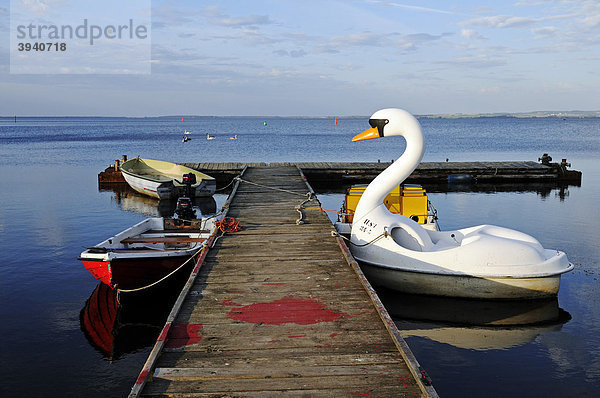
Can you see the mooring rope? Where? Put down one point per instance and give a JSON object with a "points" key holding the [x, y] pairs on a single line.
{"points": [[309, 196], [228, 185], [228, 224], [164, 277], [337, 234], [271, 188]]}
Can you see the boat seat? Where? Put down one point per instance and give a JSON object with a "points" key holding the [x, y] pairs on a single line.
{"points": [[162, 239], [409, 234]]}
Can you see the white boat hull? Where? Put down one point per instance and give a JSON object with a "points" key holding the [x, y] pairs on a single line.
{"points": [[485, 261], [491, 288], [161, 180], [167, 190]]}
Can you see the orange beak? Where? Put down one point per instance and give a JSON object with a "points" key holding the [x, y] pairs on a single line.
{"points": [[367, 134]]}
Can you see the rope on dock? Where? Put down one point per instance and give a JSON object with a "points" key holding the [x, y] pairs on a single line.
{"points": [[271, 188], [228, 224], [309, 197], [300, 207]]}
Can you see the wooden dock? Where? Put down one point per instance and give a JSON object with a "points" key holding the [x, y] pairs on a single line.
{"points": [[279, 308], [345, 173]]}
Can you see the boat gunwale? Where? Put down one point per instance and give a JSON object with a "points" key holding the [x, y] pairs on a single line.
{"points": [[123, 168]]}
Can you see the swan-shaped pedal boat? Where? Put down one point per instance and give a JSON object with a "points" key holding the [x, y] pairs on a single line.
{"points": [[485, 261]]}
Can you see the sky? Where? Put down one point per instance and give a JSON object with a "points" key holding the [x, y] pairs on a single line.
{"points": [[328, 57]]}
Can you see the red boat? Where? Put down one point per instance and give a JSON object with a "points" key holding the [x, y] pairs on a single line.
{"points": [[147, 252]]}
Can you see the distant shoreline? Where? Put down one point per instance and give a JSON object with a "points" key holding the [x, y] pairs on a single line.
{"points": [[523, 115], [536, 114]]}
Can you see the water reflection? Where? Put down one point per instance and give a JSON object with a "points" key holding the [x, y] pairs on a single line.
{"points": [[118, 324], [543, 189], [129, 200], [473, 324]]}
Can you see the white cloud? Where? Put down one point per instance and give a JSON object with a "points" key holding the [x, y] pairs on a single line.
{"points": [[544, 32], [369, 39], [217, 16], [275, 72], [468, 33], [41, 7], [293, 53], [500, 21], [392, 40], [413, 8], [478, 62], [591, 16], [36, 7]]}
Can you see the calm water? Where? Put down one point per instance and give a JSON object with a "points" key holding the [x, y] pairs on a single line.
{"points": [[51, 207]]}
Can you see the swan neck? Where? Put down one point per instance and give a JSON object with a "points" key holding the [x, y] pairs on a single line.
{"points": [[392, 176]]}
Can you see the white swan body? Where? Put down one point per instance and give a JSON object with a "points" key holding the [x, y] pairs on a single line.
{"points": [[479, 262]]}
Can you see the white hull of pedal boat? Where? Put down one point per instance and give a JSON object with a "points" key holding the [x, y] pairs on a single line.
{"points": [[465, 286], [485, 261]]}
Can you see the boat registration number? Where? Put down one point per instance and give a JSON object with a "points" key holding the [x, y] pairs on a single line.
{"points": [[367, 226]]}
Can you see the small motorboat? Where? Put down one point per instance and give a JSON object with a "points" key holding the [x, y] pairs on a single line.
{"points": [[485, 262], [233, 137], [146, 252], [186, 136], [210, 137], [409, 200], [159, 179]]}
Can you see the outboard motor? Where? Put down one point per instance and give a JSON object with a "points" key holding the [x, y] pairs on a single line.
{"points": [[188, 180], [184, 209]]}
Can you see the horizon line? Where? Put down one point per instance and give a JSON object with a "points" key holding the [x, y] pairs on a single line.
{"points": [[539, 112]]}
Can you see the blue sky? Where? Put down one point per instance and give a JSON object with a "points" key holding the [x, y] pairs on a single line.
{"points": [[306, 57]]}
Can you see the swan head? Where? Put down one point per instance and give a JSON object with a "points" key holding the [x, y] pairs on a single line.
{"points": [[389, 122]]}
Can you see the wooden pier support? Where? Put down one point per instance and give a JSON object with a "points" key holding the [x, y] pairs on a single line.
{"points": [[280, 308]]}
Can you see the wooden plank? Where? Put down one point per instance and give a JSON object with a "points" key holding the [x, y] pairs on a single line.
{"points": [[277, 309], [396, 385], [256, 371]]}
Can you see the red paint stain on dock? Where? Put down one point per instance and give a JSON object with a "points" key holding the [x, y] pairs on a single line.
{"points": [[301, 311], [333, 335], [142, 377], [184, 334], [164, 332], [229, 303]]}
